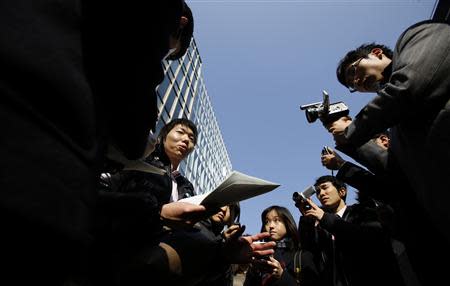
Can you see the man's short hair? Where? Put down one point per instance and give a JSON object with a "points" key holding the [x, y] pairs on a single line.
{"points": [[338, 184], [362, 51], [179, 121]]}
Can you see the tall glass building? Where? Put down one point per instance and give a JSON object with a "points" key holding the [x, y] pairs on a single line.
{"points": [[182, 93]]}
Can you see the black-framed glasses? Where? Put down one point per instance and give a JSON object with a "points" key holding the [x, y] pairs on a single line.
{"points": [[351, 75]]}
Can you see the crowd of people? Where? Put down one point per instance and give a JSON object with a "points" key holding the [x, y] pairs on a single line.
{"points": [[91, 197]]}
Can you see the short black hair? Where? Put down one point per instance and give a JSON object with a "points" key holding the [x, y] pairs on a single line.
{"points": [[338, 184], [362, 51], [178, 121]]}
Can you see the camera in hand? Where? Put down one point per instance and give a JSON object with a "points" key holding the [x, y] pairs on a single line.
{"points": [[301, 197], [326, 150], [325, 111]]}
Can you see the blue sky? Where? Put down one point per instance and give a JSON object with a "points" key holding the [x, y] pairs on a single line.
{"points": [[263, 59]]}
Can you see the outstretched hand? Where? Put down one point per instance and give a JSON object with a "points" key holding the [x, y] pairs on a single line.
{"points": [[242, 249]]}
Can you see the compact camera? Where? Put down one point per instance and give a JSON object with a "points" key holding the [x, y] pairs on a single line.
{"points": [[301, 197], [326, 150], [325, 111]]}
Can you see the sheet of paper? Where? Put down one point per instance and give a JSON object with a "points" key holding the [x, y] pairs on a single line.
{"points": [[235, 188]]}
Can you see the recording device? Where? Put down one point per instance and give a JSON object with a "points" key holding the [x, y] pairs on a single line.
{"points": [[326, 150], [325, 111], [301, 197]]}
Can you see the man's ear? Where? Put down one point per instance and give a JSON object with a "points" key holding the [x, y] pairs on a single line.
{"points": [[377, 52], [384, 140], [342, 192], [183, 21]]}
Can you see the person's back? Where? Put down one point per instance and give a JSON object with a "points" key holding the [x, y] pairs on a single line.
{"points": [[49, 144], [55, 119]]}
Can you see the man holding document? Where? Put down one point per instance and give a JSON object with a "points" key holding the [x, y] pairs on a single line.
{"points": [[148, 231]]}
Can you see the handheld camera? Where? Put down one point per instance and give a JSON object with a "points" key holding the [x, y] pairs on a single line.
{"points": [[326, 150], [325, 111], [301, 197]]}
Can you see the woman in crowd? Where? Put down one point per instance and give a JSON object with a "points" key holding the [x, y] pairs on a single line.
{"points": [[289, 265]]}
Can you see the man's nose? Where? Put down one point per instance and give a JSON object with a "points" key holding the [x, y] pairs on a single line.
{"points": [[185, 138]]}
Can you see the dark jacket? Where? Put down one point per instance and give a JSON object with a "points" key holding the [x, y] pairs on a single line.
{"points": [[69, 85], [410, 224], [285, 253], [220, 272], [353, 250], [128, 216]]}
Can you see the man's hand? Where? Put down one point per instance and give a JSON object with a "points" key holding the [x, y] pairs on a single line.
{"points": [[242, 249], [229, 232], [314, 211], [332, 160], [182, 213]]}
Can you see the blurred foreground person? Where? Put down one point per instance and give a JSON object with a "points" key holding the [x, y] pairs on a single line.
{"points": [[70, 85]]}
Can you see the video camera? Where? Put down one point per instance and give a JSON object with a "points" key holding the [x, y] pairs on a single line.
{"points": [[301, 197], [325, 111]]}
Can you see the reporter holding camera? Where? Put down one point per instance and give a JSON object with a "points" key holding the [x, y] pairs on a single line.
{"points": [[410, 225], [412, 83], [348, 242]]}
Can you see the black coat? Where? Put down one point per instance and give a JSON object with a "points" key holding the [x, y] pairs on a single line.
{"points": [[75, 76], [410, 223], [284, 255], [128, 218], [353, 250]]}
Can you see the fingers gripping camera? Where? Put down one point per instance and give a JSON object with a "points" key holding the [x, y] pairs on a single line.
{"points": [[301, 198]]}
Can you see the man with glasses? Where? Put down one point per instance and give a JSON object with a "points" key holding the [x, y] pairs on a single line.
{"points": [[413, 91]]}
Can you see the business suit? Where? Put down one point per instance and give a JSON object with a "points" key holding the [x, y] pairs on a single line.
{"points": [[415, 105]]}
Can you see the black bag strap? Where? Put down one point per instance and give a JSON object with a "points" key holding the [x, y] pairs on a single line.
{"points": [[297, 265]]}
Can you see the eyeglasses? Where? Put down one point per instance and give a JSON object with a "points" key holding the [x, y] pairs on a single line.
{"points": [[351, 75]]}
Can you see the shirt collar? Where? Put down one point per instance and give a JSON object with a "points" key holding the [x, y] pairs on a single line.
{"points": [[341, 211]]}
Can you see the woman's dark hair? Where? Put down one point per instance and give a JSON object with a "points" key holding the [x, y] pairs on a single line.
{"points": [[362, 51], [334, 181], [288, 220]]}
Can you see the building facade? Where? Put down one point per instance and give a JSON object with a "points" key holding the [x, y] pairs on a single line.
{"points": [[441, 11], [182, 94]]}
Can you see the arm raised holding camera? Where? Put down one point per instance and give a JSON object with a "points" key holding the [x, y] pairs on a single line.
{"points": [[332, 160]]}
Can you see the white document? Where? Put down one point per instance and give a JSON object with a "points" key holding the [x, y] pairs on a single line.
{"points": [[235, 188]]}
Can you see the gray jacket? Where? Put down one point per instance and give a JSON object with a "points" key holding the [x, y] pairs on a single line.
{"points": [[415, 105]]}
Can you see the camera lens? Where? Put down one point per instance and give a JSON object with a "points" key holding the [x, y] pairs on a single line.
{"points": [[311, 115]]}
